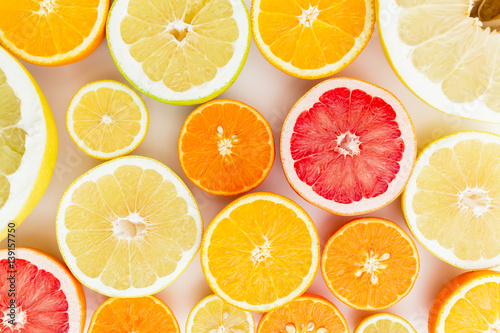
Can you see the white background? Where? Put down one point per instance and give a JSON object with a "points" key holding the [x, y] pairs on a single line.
{"points": [[272, 93]]}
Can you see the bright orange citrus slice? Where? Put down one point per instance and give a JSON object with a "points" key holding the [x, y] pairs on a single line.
{"points": [[226, 147], [370, 264]]}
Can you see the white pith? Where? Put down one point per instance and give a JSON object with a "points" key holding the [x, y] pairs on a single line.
{"points": [[372, 265], [475, 199]]}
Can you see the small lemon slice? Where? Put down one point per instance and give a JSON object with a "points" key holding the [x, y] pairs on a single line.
{"points": [[384, 323]]}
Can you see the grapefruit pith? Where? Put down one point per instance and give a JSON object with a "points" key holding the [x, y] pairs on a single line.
{"points": [[348, 146]]}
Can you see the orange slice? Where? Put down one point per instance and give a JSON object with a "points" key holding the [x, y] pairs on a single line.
{"points": [[309, 313], [370, 264], [140, 315], [226, 147], [312, 39], [52, 32], [260, 252]]}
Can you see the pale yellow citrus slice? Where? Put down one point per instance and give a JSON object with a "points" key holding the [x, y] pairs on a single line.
{"points": [[384, 323], [107, 119]]}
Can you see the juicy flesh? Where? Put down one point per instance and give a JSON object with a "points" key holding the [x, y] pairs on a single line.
{"points": [[226, 147], [128, 228], [453, 49], [141, 314], [377, 263], [107, 120], [347, 146], [457, 201], [12, 137], [41, 304], [219, 317], [294, 30], [304, 316], [181, 43], [385, 326], [49, 27], [236, 259]]}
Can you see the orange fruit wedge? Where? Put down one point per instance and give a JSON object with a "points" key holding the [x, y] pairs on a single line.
{"points": [[52, 32], [309, 313], [140, 315], [226, 147], [312, 39], [370, 264], [260, 252]]}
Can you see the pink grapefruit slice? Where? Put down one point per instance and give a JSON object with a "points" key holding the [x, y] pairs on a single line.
{"points": [[348, 146], [48, 298]]}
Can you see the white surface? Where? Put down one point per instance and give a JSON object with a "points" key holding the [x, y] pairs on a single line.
{"points": [[272, 93]]}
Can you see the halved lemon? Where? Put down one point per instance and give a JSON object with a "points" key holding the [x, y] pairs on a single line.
{"points": [[128, 227], [107, 119], [179, 51], [452, 201], [384, 323]]}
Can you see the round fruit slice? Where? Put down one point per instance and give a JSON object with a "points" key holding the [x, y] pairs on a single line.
{"points": [[468, 303], [128, 227], [312, 39], [52, 32], [179, 52], [212, 314], [309, 313], [348, 146], [139, 315], [47, 298], [452, 202], [446, 52], [107, 119], [378, 260], [260, 252], [384, 323], [28, 142], [226, 147]]}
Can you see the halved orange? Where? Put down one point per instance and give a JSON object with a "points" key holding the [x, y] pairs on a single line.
{"points": [[226, 147], [309, 313], [312, 39], [370, 264], [140, 315], [52, 32]]}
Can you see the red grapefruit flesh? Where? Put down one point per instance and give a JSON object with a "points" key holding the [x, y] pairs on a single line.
{"points": [[348, 146], [48, 298]]}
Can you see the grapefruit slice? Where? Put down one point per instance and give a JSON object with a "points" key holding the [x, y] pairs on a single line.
{"points": [[384, 323], [47, 297], [348, 146]]}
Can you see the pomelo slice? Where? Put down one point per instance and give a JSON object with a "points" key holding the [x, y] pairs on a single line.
{"points": [[28, 142], [179, 51], [384, 323], [348, 146], [446, 52], [47, 297]]}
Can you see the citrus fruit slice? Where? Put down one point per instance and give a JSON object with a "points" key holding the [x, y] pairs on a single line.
{"points": [[139, 315], [445, 52], [260, 252], [226, 147], [179, 52], [384, 323], [452, 202], [348, 146], [128, 227], [52, 32], [212, 314], [28, 142], [39, 294], [309, 313], [107, 119], [370, 263], [312, 39], [468, 303]]}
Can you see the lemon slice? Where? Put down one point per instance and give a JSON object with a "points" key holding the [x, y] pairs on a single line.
{"points": [[129, 227], [384, 323], [452, 201], [28, 142], [107, 119], [179, 51]]}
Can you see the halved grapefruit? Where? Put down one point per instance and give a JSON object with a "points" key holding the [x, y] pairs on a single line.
{"points": [[47, 297], [348, 146]]}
